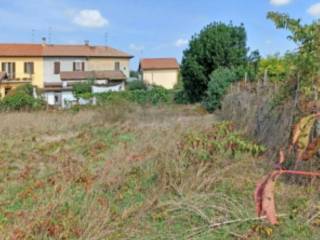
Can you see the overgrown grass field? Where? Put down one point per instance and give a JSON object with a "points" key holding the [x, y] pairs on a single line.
{"points": [[130, 172]]}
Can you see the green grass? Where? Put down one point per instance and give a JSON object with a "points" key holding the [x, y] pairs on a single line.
{"points": [[148, 173]]}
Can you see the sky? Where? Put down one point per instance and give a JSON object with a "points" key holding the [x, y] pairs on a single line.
{"points": [[147, 28]]}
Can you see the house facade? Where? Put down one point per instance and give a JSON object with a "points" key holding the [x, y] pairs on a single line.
{"points": [[43, 65], [159, 71]]}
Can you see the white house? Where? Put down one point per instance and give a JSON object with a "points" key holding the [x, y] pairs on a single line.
{"points": [[60, 93], [65, 65]]}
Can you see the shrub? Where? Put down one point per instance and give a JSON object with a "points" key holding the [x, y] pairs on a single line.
{"points": [[154, 96], [181, 97], [220, 80], [137, 85], [21, 98], [82, 90], [20, 101], [25, 89]]}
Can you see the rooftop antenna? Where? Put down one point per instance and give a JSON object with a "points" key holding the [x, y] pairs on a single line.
{"points": [[50, 35], [32, 35], [106, 39]]}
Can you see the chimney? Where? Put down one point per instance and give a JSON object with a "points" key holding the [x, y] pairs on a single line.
{"points": [[86, 42], [44, 41]]}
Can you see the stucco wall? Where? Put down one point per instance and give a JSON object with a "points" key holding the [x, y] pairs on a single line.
{"points": [[66, 65], [100, 64], [165, 78], [37, 77]]}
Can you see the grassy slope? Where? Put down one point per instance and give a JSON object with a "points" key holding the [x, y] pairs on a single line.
{"points": [[134, 173]]}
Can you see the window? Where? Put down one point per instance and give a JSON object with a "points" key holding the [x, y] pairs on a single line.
{"points": [[117, 66], [56, 68], [56, 99], [29, 68], [78, 66], [9, 68]]}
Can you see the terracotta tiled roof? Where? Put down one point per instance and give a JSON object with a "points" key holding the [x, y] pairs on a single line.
{"points": [[98, 75], [23, 50], [158, 63], [49, 50]]}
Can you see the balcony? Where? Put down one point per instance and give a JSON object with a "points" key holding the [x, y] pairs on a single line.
{"points": [[16, 77]]}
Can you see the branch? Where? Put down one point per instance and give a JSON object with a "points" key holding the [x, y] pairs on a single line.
{"points": [[302, 173]]}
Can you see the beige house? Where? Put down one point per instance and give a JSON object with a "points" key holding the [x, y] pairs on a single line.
{"points": [[160, 71]]}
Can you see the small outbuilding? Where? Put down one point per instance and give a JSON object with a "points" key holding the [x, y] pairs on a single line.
{"points": [[159, 71]]}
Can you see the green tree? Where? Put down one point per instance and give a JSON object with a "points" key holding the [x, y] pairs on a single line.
{"points": [[220, 80], [134, 74], [307, 38], [253, 62], [217, 45], [278, 67]]}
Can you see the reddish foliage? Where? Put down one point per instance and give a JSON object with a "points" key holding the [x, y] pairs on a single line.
{"points": [[264, 197], [311, 150], [306, 149], [18, 234]]}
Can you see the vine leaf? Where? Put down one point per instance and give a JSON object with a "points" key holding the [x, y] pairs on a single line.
{"points": [[301, 134], [311, 150], [264, 197]]}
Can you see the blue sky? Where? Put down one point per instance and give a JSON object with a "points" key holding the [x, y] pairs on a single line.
{"points": [[147, 28]]}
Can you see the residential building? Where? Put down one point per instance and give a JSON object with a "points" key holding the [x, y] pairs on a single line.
{"points": [[60, 93], [160, 71], [45, 65], [22, 63]]}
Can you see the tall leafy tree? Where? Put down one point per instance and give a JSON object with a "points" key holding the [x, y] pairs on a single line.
{"points": [[307, 38], [217, 45]]}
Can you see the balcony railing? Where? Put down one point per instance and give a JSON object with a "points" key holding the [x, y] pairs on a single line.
{"points": [[18, 77]]}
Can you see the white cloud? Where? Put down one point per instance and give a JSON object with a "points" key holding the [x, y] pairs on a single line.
{"points": [[135, 47], [181, 42], [280, 2], [90, 18], [314, 10]]}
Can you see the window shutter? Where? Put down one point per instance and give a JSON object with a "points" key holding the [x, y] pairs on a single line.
{"points": [[32, 68], [117, 66], [83, 66], [13, 70], [25, 68], [56, 67], [74, 66], [3, 67]]}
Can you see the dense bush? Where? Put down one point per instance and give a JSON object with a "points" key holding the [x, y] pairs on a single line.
{"points": [[21, 98], [25, 89], [156, 95], [181, 97], [220, 80], [137, 85], [83, 89]]}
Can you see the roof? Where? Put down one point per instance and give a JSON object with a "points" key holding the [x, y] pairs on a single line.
{"points": [[53, 50], [97, 75], [158, 64]]}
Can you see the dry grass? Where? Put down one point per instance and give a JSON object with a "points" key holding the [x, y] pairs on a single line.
{"points": [[121, 174]]}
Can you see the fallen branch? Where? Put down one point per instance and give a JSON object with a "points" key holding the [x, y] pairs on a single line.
{"points": [[302, 173], [230, 222], [217, 225]]}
